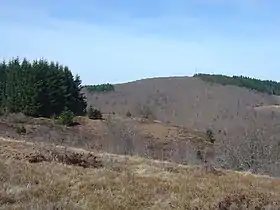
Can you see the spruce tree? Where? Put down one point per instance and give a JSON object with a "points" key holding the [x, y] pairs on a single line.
{"points": [[39, 88]]}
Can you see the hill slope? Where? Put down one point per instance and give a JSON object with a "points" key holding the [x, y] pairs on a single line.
{"points": [[246, 138], [33, 178], [114, 134]]}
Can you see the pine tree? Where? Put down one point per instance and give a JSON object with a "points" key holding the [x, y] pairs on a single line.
{"points": [[40, 88]]}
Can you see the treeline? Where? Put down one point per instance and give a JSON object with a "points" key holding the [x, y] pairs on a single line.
{"points": [[39, 88], [100, 88], [265, 86]]}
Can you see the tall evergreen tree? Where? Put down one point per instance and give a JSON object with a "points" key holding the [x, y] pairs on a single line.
{"points": [[40, 88], [3, 75]]}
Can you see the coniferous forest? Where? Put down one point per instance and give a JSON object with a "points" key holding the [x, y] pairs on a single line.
{"points": [[39, 88], [100, 88], [265, 86]]}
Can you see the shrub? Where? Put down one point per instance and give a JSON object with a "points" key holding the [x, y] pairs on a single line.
{"points": [[128, 114], [21, 129], [94, 114], [66, 117], [90, 112], [147, 113], [210, 136], [199, 155]]}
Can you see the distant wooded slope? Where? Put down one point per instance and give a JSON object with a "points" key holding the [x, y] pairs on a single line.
{"points": [[265, 86]]}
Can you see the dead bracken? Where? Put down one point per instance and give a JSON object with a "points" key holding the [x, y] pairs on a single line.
{"points": [[39, 176], [243, 201], [66, 157]]}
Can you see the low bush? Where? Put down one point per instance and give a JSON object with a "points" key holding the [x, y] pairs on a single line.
{"points": [[210, 136], [94, 114], [66, 118], [21, 129], [128, 114]]}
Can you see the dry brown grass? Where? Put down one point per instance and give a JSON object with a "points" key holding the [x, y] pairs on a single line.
{"points": [[114, 134], [125, 183]]}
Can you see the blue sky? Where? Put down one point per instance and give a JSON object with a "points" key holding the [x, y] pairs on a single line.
{"points": [[123, 40]]}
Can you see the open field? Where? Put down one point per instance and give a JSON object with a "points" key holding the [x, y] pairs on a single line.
{"points": [[121, 182]]}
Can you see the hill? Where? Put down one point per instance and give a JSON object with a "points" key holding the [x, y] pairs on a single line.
{"points": [[242, 122], [113, 134], [54, 151], [265, 86], [246, 138], [42, 176]]}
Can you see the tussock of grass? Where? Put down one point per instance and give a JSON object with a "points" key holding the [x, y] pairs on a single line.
{"points": [[125, 183]]}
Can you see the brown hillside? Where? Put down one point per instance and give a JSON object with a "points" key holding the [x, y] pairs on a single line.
{"points": [[246, 137], [114, 134]]}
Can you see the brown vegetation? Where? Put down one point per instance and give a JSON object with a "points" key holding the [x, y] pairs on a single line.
{"points": [[114, 134], [124, 183], [229, 111], [180, 120]]}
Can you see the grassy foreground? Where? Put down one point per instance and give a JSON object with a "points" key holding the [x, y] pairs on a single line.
{"points": [[45, 177]]}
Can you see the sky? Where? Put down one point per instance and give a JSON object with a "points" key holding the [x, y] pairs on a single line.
{"points": [[118, 41]]}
